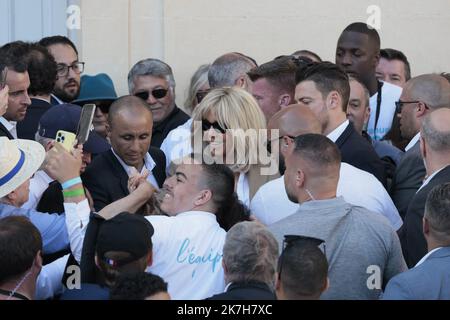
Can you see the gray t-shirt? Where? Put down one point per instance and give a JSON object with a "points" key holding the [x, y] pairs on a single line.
{"points": [[362, 249]]}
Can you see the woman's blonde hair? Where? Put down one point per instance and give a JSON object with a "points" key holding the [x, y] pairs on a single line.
{"points": [[199, 78], [234, 109]]}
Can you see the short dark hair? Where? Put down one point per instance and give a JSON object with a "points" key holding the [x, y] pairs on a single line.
{"points": [[317, 149], [49, 41], [126, 102], [220, 180], [327, 77], [437, 211], [307, 53], [392, 54], [14, 55], [20, 241], [137, 286], [280, 73], [304, 271], [364, 28], [41, 69]]}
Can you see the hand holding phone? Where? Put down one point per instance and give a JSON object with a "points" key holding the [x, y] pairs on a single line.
{"points": [[66, 139]]}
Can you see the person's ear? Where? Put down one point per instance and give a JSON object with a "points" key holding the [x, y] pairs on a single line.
{"points": [[300, 178], [38, 260], [97, 262], [284, 100], [376, 60], [150, 258], [333, 100], [421, 109], [425, 226], [366, 116], [203, 197], [277, 282], [326, 285], [241, 82]]}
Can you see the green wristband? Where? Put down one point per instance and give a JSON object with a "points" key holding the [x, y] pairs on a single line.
{"points": [[73, 193]]}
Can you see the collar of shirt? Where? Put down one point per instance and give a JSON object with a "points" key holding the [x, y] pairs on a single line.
{"points": [[428, 179], [425, 257], [323, 204], [8, 125], [336, 133], [57, 99], [149, 163], [205, 214], [413, 142], [243, 189]]}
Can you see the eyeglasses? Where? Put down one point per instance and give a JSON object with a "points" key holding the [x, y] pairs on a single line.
{"points": [[269, 142], [297, 240], [399, 105], [156, 93], [63, 69], [200, 95], [206, 125]]}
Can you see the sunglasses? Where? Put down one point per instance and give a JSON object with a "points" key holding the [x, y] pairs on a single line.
{"points": [[206, 125], [156, 93], [290, 241]]}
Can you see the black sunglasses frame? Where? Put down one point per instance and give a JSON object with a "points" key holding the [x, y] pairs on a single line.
{"points": [[156, 93], [206, 125]]}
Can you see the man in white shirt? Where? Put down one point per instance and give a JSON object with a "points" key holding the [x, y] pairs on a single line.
{"points": [[187, 244], [324, 88], [358, 54], [421, 95], [358, 187]]}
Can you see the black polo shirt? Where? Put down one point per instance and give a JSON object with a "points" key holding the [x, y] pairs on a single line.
{"points": [[160, 131]]}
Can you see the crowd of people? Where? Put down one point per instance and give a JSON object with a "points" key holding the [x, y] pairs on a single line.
{"points": [[292, 179]]}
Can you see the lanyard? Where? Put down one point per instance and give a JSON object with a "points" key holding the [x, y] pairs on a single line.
{"points": [[377, 111]]}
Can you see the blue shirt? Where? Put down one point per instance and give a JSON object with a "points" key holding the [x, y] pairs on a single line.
{"points": [[52, 226]]}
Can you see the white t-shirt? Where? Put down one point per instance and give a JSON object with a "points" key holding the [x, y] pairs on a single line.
{"points": [[187, 254], [389, 95], [358, 187]]}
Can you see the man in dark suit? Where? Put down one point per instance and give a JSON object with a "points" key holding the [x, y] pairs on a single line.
{"points": [[42, 71], [421, 95], [130, 131], [430, 278], [325, 89], [435, 148], [153, 81], [249, 260]]}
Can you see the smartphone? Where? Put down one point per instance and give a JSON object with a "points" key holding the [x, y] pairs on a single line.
{"points": [[85, 123], [3, 75], [67, 139]]}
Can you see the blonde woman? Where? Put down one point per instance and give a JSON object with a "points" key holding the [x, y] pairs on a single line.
{"points": [[232, 129], [198, 88]]}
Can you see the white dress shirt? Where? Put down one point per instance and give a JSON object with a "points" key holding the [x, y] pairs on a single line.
{"points": [[243, 189], [48, 283], [428, 179], [149, 164], [271, 204], [10, 126], [187, 253], [336, 133], [38, 184], [413, 142]]}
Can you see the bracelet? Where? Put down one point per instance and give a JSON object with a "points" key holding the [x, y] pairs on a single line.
{"points": [[71, 183], [73, 193]]}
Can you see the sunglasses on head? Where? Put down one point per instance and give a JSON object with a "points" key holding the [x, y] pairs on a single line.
{"points": [[206, 125], [156, 93]]}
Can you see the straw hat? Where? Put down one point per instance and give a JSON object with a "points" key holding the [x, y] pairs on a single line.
{"points": [[19, 160]]}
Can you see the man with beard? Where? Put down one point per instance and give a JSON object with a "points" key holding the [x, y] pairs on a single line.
{"points": [[69, 68]]}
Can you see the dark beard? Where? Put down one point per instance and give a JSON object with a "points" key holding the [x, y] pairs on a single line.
{"points": [[64, 96]]}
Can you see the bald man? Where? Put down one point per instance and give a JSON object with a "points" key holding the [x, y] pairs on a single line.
{"points": [[435, 149], [358, 187], [129, 129], [421, 96]]}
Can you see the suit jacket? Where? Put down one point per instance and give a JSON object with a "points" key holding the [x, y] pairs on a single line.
{"points": [[411, 235], [5, 133], [407, 179], [246, 291], [26, 129], [358, 152], [160, 130], [107, 181], [428, 281]]}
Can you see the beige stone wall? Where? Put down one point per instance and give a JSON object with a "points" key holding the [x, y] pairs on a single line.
{"points": [[187, 33]]}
